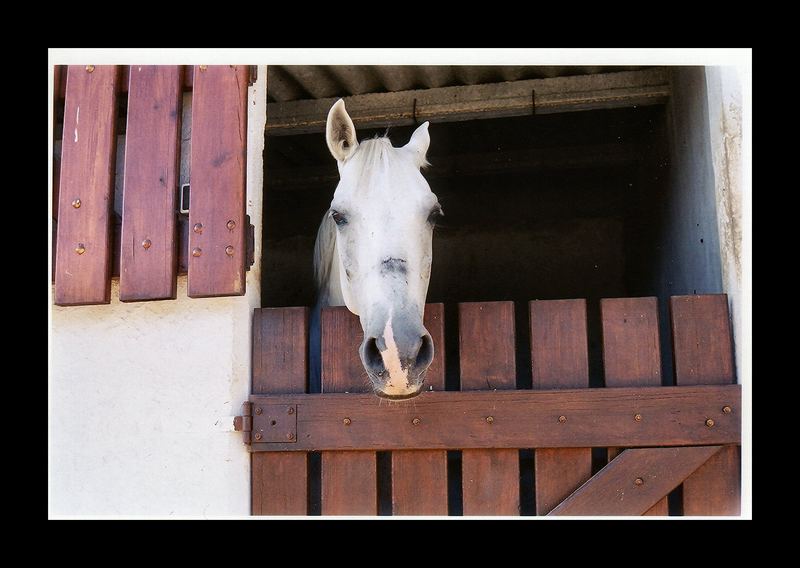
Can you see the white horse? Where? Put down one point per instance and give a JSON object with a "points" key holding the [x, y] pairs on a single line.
{"points": [[373, 253]]}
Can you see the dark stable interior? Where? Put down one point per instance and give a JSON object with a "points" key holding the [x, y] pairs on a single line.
{"points": [[539, 207]]}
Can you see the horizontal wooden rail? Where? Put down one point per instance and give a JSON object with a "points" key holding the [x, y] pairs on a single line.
{"points": [[569, 418], [492, 100]]}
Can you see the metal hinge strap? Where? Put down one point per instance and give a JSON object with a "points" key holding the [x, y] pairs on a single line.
{"points": [[244, 423]]}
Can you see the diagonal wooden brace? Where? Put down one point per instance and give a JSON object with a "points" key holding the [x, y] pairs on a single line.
{"points": [[635, 480]]}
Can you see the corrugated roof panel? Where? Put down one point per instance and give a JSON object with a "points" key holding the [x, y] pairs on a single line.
{"points": [[297, 82]]}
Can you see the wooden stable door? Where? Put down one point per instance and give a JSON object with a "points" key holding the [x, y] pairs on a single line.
{"points": [[465, 445]]}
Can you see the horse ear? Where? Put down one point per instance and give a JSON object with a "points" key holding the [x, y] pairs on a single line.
{"points": [[419, 143], [340, 132]]}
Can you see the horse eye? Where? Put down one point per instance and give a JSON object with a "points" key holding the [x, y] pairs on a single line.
{"points": [[435, 215], [338, 218]]}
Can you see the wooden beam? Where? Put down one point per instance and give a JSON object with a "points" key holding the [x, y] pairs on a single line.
{"points": [[419, 479], [670, 416], [490, 477], [349, 479], [491, 100], [631, 353], [86, 194], [279, 481], [559, 359], [219, 156], [148, 251], [635, 481], [703, 352]]}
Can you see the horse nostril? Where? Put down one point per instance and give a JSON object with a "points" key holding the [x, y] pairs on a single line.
{"points": [[372, 356], [425, 354]]}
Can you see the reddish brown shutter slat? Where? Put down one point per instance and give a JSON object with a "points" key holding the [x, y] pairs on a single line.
{"points": [[280, 347], [632, 354], [559, 360], [703, 352], [490, 478], [218, 192], [148, 252], [419, 478], [349, 479], [83, 249]]}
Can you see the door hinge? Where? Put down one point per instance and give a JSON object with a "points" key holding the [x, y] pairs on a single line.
{"points": [[250, 249], [253, 75], [267, 423], [244, 423]]}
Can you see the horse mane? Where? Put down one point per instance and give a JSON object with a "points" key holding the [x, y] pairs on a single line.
{"points": [[324, 249]]}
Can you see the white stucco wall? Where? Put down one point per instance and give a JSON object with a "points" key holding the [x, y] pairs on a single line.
{"points": [[139, 393], [726, 88]]}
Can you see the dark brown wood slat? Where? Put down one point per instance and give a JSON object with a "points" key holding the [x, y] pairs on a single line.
{"points": [[419, 478], [490, 478], [559, 360], [86, 196], [635, 481], [218, 191], [703, 354], [632, 354], [349, 479], [61, 81], [148, 251], [522, 419], [280, 347]]}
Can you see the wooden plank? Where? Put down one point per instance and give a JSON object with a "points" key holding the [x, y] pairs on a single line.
{"points": [[522, 419], [419, 478], [280, 339], [703, 355], [148, 252], [632, 354], [559, 359], [186, 79], [635, 481], [218, 193], [490, 478], [492, 100], [86, 196], [349, 479]]}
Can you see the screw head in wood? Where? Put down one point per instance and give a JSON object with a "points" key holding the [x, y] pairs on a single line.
{"points": [[231, 224], [203, 67], [76, 203], [347, 421], [258, 410], [258, 435], [637, 417], [562, 419], [709, 423], [416, 421], [81, 248], [727, 409], [197, 251], [291, 410], [198, 228], [146, 244], [638, 481], [490, 419], [89, 68], [229, 250], [290, 436]]}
